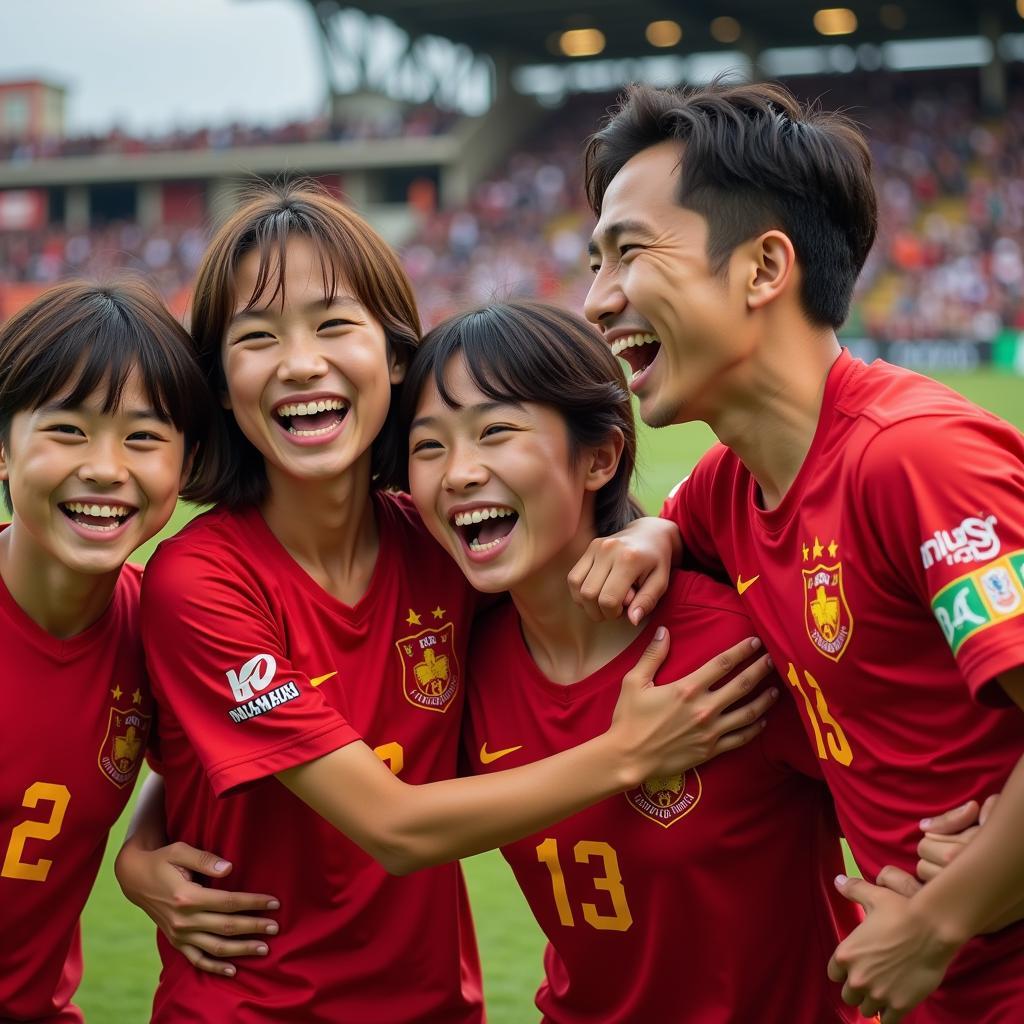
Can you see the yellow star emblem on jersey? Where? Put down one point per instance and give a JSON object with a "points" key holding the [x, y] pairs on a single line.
{"points": [[137, 697], [438, 612], [116, 693], [818, 549], [833, 549], [413, 619], [807, 552]]}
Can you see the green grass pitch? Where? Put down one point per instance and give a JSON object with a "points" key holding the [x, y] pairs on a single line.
{"points": [[120, 953]]}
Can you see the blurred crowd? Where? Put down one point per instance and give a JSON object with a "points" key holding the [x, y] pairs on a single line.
{"points": [[948, 263], [418, 122]]}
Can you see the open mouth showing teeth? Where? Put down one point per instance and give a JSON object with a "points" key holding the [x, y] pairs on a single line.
{"points": [[309, 419], [485, 528], [638, 350], [102, 518]]}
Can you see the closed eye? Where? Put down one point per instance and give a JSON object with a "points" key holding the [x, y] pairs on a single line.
{"points": [[427, 444], [145, 435], [496, 428], [67, 429], [336, 322], [253, 336]]}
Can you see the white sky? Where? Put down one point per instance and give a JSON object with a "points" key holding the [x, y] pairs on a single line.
{"points": [[152, 65]]}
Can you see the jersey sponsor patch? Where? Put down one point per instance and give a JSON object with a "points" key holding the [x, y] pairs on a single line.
{"points": [[827, 614], [256, 674], [980, 599], [123, 745], [974, 540], [666, 799], [264, 702], [430, 668]]}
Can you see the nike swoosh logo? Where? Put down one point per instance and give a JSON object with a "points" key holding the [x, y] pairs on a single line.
{"points": [[743, 585], [322, 679], [486, 757]]}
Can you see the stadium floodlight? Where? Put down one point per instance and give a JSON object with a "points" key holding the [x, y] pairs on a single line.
{"points": [[581, 42], [663, 33], [835, 21], [725, 29]]}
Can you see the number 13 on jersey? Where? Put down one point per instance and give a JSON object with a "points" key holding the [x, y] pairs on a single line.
{"points": [[826, 729]]}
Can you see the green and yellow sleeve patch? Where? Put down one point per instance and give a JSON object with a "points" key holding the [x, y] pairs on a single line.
{"points": [[980, 599]]}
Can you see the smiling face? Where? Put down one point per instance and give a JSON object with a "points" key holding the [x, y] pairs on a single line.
{"points": [[308, 374], [496, 483], [680, 325], [88, 486]]}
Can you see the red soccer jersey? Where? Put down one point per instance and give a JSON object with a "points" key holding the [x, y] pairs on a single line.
{"points": [[256, 669], [705, 897], [76, 718], [887, 586]]}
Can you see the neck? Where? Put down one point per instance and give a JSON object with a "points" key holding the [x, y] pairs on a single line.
{"points": [[770, 416], [56, 598], [327, 526], [566, 645]]}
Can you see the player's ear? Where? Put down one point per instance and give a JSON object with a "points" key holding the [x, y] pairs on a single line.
{"points": [[603, 460], [771, 266], [4, 443], [397, 364]]}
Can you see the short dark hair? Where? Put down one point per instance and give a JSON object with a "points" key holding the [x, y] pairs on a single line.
{"points": [[86, 336], [755, 159], [231, 469], [534, 352]]}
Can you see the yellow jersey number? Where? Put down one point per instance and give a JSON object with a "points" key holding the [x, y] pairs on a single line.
{"points": [[610, 882], [392, 754], [826, 729], [36, 871]]}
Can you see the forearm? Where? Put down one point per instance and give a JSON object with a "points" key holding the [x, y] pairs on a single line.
{"points": [[409, 827], [147, 829], [984, 885]]}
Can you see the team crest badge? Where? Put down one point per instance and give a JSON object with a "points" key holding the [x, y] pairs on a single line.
{"points": [[430, 668], [124, 745], [667, 798], [826, 612]]}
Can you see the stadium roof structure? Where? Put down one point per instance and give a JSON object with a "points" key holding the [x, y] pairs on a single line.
{"points": [[529, 30]]}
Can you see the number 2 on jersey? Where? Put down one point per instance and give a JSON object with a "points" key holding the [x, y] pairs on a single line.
{"points": [[35, 871], [610, 882], [820, 717]]}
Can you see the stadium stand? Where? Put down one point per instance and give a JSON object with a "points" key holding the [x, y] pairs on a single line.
{"points": [[948, 264]]}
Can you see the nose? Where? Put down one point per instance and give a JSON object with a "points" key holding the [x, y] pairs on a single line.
{"points": [[605, 298], [301, 360], [103, 463], [464, 471]]}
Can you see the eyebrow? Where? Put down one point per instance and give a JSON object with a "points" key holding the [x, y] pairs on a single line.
{"points": [[613, 231], [56, 408], [259, 312], [481, 407]]}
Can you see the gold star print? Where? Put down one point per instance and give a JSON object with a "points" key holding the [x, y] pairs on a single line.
{"points": [[818, 549], [807, 552], [833, 548], [413, 619], [116, 693], [438, 612], [137, 697]]}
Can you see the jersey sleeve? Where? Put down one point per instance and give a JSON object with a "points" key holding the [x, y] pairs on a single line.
{"points": [[219, 665], [946, 497], [689, 507]]}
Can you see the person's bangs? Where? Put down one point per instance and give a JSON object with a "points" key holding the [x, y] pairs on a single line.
{"points": [[269, 239], [498, 365]]}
